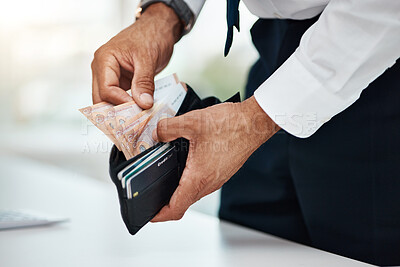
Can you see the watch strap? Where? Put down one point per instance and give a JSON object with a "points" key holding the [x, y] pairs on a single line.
{"points": [[180, 7]]}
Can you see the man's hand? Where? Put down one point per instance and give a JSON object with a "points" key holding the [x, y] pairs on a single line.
{"points": [[222, 138], [131, 59]]}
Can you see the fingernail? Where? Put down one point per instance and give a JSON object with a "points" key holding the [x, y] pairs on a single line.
{"points": [[146, 99], [154, 135]]}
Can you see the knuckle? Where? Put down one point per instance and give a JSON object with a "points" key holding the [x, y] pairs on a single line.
{"points": [[203, 182], [160, 131], [167, 127], [199, 186], [162, 126], [177, 216], [145, 83], [193, 122], [99, 52], [105, 95], [154, 51], [175, 213], [196, 126], [98, 57], [103, 53], [93, 64]]}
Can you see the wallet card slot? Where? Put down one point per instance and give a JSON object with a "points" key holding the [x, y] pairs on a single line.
{"points": [[157, 182], [118, 161], [153, 172], [140, 210]]}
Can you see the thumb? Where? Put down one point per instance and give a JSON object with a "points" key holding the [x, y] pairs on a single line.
{"points": [[143, 85], [173, 128]]}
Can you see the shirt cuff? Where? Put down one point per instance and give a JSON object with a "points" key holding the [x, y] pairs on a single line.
{"points": [[295, 100], [195, 6]]}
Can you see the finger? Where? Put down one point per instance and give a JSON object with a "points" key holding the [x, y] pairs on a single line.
{"points": [[125, 80], [125, 83], [173, 128], [184, 196], [95, 91], [143, 85], [127, 73], [115, 95], [108, 74]]}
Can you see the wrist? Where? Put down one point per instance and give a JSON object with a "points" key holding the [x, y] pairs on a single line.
{"points": [[260, 126], [165, 18]]}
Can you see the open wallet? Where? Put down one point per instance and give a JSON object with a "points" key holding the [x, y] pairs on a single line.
{"points": [[149, 184]]}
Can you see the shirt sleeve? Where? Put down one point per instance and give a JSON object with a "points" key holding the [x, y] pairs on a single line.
{"points": [[195, 6], [351, 44]]}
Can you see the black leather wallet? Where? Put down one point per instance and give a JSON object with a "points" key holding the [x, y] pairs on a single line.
{"points": [[138, 211]]}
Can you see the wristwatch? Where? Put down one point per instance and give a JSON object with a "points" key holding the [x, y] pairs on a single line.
{"points": [[181, 9]]}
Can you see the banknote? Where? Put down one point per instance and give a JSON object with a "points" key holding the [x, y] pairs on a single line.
{"points": [[132, 112], [162, 86], [133, 128], [166, 108], [100, 115], [116, 124], [128, 126], [145, 137], [131, 125]]}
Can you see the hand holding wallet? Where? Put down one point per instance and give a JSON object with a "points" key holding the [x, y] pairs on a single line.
{"points": [[151, 186]]}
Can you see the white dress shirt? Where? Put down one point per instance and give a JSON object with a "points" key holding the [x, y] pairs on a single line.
{"points": [[352, 43]]}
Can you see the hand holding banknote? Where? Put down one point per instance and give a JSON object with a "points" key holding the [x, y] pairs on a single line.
{"points": [[222, 138], [131, 59], [129, 126]]}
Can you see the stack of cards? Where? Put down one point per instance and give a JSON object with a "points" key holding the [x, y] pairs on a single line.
{"points": [[157, 162]]}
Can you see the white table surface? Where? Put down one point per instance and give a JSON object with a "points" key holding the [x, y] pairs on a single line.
{"points": [[96, 235]]}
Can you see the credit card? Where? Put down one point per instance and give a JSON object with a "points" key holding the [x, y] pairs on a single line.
{"points": [[131, 166], [153, 171], [157, 152]]}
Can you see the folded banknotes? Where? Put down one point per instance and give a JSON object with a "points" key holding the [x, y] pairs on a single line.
{"points": [[128, 126]]}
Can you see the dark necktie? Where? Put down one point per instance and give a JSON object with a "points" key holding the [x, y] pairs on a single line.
{"points": [[232, 18]]}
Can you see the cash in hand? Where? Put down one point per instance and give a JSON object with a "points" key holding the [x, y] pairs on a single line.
{"points": [[130, 127]]}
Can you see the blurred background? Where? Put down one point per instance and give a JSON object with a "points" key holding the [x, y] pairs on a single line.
{"points": [[46, 48]]}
